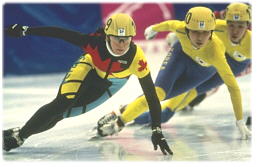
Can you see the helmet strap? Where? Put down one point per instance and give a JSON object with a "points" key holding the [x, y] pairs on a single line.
{"points": [[187, 32], [211, 34], [109, 47]]}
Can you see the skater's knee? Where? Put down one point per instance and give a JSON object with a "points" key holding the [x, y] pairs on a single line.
{"points": [[167, 114], [62, 100], [70, 89], [160, 93]]}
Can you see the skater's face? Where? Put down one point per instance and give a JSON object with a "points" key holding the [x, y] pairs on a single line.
{"points": [[120, 45], [236, 30], [199, 38]]}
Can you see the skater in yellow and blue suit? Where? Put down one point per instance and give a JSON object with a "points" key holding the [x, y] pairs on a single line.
{"points": [[236, 37], [198, 56], [110, 59]]}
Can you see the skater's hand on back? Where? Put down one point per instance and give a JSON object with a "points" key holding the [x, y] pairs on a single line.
{"points": [[16, 30], [159, 140]]}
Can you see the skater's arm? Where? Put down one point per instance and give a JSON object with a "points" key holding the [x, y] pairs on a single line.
{"points": [[73, 37], [229, 79], [139, 67], [158, 139], [170, 25], [235, 95], [152, 99], [220, 63]]}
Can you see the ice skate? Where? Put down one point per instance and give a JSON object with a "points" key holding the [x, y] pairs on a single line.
{"points": [[12, 139]]}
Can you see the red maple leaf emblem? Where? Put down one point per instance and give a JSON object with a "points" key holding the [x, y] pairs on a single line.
{"points": [[98, 62], [143, 65]]}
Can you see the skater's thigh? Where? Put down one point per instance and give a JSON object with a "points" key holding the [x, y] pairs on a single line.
{"points": [[84, 107], [172, 68]]}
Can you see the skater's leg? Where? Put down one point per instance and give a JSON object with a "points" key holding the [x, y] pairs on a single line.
{"points": [[46, 117]]}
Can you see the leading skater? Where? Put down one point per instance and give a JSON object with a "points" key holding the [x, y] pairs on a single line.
{"points": [[110, 58], [196, 57], [236, 36]]}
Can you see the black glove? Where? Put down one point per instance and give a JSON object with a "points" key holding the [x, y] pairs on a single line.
{"points": [[159, 139], [16, 30]]}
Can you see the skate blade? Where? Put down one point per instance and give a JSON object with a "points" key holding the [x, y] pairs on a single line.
{"points": [[95, 138], [93, 135]]}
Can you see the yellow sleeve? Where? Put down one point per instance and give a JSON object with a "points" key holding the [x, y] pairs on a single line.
{"points": [[170, 25], [139, 66], [220, 24], [229, 79]]}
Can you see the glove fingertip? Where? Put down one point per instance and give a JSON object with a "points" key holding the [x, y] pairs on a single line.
{"points": [[170, 152]]}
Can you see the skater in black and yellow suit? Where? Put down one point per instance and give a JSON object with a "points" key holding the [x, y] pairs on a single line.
{"points": [[110, 58]]}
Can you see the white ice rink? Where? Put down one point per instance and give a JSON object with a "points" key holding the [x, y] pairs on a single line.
{"points": [[206, 134]]}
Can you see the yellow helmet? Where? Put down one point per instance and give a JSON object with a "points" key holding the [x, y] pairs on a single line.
{"points": [[200, 18], [120, 25], [238, 12]]}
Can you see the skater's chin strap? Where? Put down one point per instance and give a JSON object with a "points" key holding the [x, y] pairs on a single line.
{"points": [[111, 52]]}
